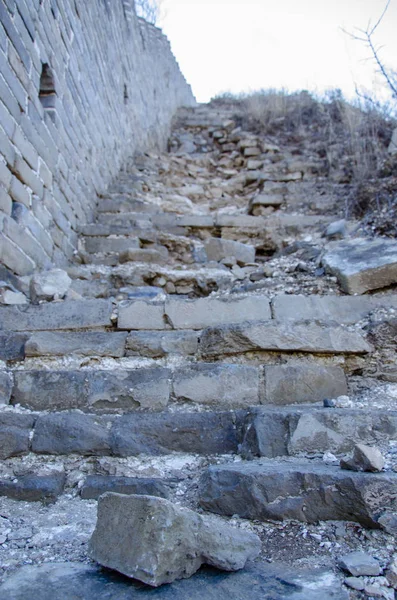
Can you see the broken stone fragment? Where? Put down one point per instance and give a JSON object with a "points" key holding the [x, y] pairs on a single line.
{"points": [[359, 563], [151, 539], [365, 458], [49, 285]]}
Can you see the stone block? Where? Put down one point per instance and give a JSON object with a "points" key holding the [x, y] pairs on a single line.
{"points": [[305, 491], [15, 430], [100, 244], [156, 344], [34, 488], [362, 264], [14, 258], [69, 433], [12, 345], [6, 383], [204, 312], [155, 541], [295, 383], [56, 315], [341, 309], [281, 336], [240, 221], [49, 285], [115, 390], [157, 255], [141, 315], [223, 385], [48, 343], [96, 485], [161, 433], [217, 249]]}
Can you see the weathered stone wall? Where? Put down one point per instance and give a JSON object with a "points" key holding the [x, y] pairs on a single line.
{"points": [[83, 86]]}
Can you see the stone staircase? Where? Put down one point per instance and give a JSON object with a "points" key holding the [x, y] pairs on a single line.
{"points": [[200, 322]]}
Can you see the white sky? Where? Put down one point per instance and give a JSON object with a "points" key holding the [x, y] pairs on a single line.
{"points": [[227, 45]]}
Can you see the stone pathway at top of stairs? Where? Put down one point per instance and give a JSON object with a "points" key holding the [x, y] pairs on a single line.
{"points": [[201, 329]]}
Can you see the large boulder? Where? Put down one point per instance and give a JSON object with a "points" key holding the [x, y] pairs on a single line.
{"points": [[153, 540]]}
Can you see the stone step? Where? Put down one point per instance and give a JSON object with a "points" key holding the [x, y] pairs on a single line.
{"points": [[104, 230], [151, 434], [96, 485], [120, 204], [192, 314], [312, 430], [34, 488], [153, 388], [301, 490], [48, 343], [341, 309], [76, 314], [287, 336], [110, 244]]}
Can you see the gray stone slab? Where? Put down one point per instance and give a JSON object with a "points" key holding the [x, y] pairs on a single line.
{"points": [[223, 385], [141, 315], [100, 244], [155, 344], [293, 383], [342, 309], [146, 388], [281, 336], [204, 312], [33, 488], [48, 343], [217, 249], [305, 491], [56, 315], [155, 434], [270, 433], [363, 264], [96, 485], [68, 433], [156, 255], [15, 432], [6, 383], [58, 581], [240, 221]]}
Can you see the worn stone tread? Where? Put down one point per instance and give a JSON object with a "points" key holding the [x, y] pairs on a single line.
{"points": [[68, 314], [60, 343], [302, 490]]}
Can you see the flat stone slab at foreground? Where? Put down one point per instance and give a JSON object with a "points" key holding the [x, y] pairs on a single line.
{"points": [[61, 581], [362, 265], [285, 336], [301, 490], [156, 542]]}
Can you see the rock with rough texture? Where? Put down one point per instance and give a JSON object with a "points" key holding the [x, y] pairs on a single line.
{"points": [[359, 563], [200, 433], [12, 345], [283, 336], [58, 581], [155, 541], [365, 458], [226, 385], [205, 312], [15, 430], [49, 284], [6, 383], [57, 315], [72, 432], [341, 309], [10, 297], [34, 488], [161, 343], [49, 343], [96, 485], [141, 315], [362, 265], [303, 490], [218, 248], [291, 383], [270, 433], [146, 388]]}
